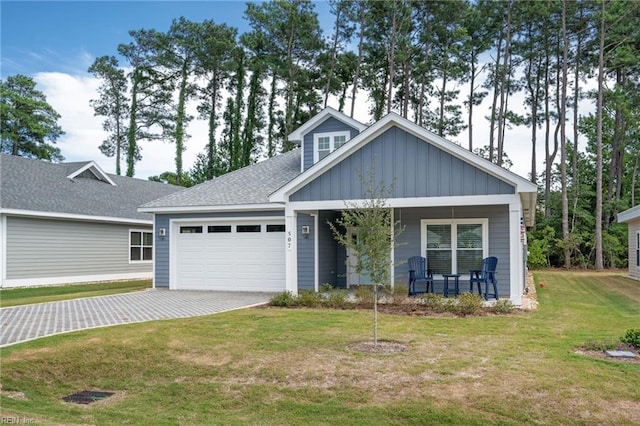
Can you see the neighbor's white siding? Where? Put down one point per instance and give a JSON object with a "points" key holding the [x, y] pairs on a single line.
{"points": [[45, 251]]}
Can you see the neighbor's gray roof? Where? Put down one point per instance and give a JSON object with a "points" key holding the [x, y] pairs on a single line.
{"points": [[249, 185], [36, 185]]}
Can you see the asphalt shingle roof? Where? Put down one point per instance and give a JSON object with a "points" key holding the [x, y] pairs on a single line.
{"points": [[249, 185], [27, 184]]}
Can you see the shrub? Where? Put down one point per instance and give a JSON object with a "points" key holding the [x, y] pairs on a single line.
{"points": [[285, 299], [432, 301], [326, 288], [396, 294], [364, 294], [632, 337], [503, 306], [338, 299], [308, 298], [469, 304]]}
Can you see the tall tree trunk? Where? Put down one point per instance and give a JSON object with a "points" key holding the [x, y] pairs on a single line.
{"points": [[211, 145], [494, 104], [549, 155], [503, 87], [392, 50], [271, 146], [180, 118], [576, 99], [599, 264], [356, 77], [563, 138], [334, 48], [472, 82], [131, 137]]}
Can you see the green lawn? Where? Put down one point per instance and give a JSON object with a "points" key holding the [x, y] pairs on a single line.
{"points": [[279, 366], [25, 296]]}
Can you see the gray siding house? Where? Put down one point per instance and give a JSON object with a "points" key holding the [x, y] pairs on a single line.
{"points": [[265, 227], [72, 222], [632, 218]]}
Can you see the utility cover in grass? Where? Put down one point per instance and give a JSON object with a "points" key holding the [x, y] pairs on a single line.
{"points": [[87, 397], [621, 354]]}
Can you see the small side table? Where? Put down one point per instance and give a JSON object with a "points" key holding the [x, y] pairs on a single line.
{"points": [[456, 279]]}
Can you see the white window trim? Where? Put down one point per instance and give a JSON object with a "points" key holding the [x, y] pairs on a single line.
{"points": [[332, 136], [454, 237], [142, 231]]}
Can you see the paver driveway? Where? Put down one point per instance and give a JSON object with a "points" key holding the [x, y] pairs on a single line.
{"points": [[21, 323]]}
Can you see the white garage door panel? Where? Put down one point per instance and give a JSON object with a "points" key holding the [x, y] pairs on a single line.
{"points": [[246, 261]]}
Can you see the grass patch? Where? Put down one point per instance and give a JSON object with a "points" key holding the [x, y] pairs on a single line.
{"points": [[282, 366], [25, 296]]}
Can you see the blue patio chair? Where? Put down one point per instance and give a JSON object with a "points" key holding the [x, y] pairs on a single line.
{"points": [[418, 272], [486, 276]]}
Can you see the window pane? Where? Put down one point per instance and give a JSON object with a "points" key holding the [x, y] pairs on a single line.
{"points": [[469, 236], [439, 261], [135, 253], [438, 236], [217, 229], [338, 141], [147, 239], [147, 253], [322, 154], [275, 228], [136, 239], [324, 144], [469, 259], [191, 229], [248, 228]]}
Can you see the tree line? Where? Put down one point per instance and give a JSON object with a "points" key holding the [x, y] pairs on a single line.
{"points": [[433, 62]]}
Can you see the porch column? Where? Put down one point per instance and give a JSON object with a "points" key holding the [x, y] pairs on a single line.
{"points": [[291, 253], [515, 250]]}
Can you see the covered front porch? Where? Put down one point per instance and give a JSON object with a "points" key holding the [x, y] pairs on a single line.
{"points": [[453, 238]]}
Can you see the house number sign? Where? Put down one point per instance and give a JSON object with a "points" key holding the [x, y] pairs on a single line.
{"points": [[289, 240]]}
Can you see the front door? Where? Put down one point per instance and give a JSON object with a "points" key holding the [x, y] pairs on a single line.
{"points": [[353, 277]]}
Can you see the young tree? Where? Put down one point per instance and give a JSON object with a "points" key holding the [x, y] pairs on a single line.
{"points": [[28, 124], [372, 220], [113, 104]]}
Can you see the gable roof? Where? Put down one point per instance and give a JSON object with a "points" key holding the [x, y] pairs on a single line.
{"points": [[29, 186], [244, 188], [629, 215], [526, 189], [298, 134]]}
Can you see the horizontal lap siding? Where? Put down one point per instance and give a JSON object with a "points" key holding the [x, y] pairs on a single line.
{"points": [[410, 240], [42, 248], [161, 278], [411, 166]]}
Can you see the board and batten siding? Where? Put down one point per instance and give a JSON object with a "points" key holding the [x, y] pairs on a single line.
{"points": [[409, 241], [306, 253], [634, 229], [162, 244], [47, 248], [415, 167], [329, 125]]}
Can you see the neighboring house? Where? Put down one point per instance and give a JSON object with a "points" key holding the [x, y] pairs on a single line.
{"points": [[264, 227], [632, 218], [72, 222]]}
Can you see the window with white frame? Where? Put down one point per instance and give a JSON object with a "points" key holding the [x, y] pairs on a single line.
{"points": [[140, 246], [454, 246], [325, 143]]}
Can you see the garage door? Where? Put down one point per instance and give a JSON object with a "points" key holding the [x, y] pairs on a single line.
{"points": [[235, 256]]}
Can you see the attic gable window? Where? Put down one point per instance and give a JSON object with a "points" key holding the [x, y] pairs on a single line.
{"points": [[325, 143]]}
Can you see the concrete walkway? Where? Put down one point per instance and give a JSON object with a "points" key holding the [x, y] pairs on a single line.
{"points": [[28, 322]]}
